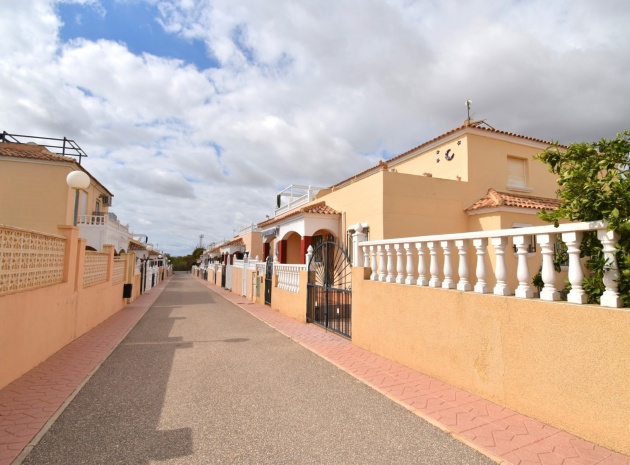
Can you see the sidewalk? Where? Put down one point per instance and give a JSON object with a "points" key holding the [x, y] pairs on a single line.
{"points": [[31, 404]]}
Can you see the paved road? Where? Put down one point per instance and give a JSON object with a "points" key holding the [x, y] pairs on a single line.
{"points": [[200, 381]]}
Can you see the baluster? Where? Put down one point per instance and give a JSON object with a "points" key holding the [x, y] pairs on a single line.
{"points": [[366, 257], [390, 264], [523, 290], [400, 275], [448, 282], [480, 271], [610, 297], [409, 267], [501, 287], [422, 270], [373, 266], [381, 263], [576, 275], [462, 270], [433, 266], [548, 273]]}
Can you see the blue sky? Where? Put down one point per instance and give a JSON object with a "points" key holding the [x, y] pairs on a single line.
{"points": [[196, 113], [134, 23]]}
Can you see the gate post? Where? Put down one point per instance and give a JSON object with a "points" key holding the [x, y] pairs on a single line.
{"points": [[357, 252]]}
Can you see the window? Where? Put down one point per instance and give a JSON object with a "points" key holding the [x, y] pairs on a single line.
{"points": [[517, 169], [366, 231], [531, 246]]}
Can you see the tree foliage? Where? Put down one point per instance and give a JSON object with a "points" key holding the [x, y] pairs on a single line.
{"points": [[186, 262], [595, 186]]}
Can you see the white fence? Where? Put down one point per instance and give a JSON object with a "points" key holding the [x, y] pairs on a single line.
{"points": [[393, 261], [288, 276]]}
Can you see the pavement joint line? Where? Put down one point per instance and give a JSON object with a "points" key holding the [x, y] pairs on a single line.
{"points": [[44, 429]]}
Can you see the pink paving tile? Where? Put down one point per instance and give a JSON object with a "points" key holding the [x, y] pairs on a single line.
{"points": [[456, 419], [427, 404]]}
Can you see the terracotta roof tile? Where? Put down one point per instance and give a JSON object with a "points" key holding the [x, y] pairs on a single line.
{"points": [[237, 241], [494, 199], [319, 208], [33, 152]]}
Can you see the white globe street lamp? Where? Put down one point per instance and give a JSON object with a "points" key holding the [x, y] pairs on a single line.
{"points": [[77, 180]]}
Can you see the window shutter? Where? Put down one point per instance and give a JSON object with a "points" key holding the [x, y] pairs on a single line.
{"points": [[516, 172]]}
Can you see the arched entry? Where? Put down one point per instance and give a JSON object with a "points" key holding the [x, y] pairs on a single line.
{"points": [[330, 289]]}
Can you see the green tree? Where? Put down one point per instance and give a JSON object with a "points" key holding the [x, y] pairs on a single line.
{"points": [[595, 186]]}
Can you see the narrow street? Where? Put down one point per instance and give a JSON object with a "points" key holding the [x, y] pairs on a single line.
{"points": [[199, 380]]}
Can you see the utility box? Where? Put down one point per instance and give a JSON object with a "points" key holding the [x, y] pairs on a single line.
{"points": [[127, 288]]}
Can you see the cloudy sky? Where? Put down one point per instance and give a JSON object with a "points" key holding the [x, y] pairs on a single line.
{"points": [[195, 113]]}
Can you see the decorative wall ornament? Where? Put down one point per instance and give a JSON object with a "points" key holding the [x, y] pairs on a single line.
{"points": [[95, 268], [29, 259], [449, 155], [118, 271]]}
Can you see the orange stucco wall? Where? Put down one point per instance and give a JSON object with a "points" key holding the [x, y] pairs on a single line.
{"points": [[36, 323], [288, 303], [566, 365]]}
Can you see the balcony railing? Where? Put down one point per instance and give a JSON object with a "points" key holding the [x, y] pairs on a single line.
{"points": [[298, 195], [404, 261]]}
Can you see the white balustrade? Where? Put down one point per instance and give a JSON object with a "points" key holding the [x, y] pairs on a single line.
{"points": [[576, 275], [422, 270], [390, 264], [392, 261], [409, 260], [523, 290], [289, 276], [448, 282], [609, 239], [548, 273], [462, 269]]}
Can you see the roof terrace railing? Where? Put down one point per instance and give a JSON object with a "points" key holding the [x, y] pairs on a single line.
{"points": [[64, 146]]}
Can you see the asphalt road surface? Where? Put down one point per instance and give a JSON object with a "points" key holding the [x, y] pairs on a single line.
{"points": [[200, 381]]}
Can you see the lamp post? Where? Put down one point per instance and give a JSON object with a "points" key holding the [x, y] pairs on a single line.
{"points": [[77, 180]]}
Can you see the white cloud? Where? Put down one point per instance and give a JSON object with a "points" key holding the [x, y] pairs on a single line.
{"points": [[307, 92]]}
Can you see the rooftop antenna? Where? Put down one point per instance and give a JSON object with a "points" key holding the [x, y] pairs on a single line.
{"points": [[477, 123], [468, 104]]}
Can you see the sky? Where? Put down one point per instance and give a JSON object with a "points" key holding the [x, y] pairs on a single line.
{"points": [[196, 113]]}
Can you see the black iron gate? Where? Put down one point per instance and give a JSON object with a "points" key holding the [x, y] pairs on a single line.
{"points": [[268, 284], [330, 289], [223, 276]]}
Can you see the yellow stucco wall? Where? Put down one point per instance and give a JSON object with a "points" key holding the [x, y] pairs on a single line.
{"points": [[360, 201], [566, 365], [34, 195], [427, 161]]}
